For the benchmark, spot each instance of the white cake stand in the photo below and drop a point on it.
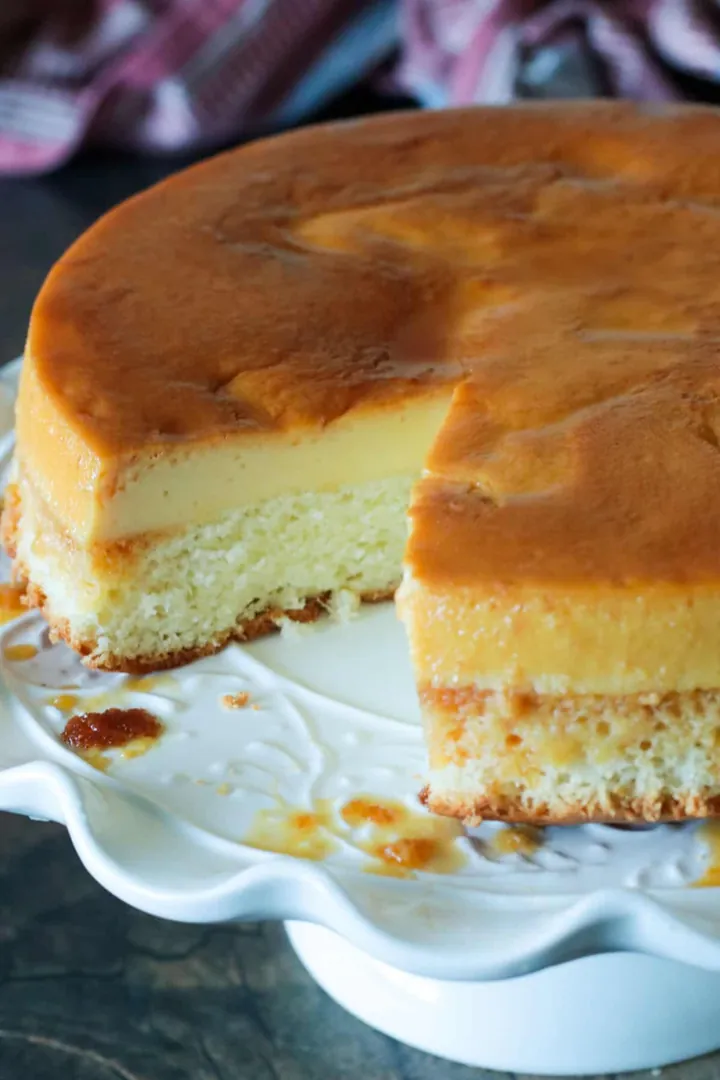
(591, 956)
(605, 1013)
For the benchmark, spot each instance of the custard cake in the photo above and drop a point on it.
(233, 381)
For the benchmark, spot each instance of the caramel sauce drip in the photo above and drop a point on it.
(398, 840)
(97, 759)
(359, 812)
(11, 604)
(306, 834)
(409, 853)
(20, 652)
(516, 839)
(709, 834)
(110, 729)
(401, 841)
(63, 702)
(147, 684)
(116, 698)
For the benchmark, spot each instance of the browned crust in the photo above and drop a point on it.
(472, 810)
(265, 622)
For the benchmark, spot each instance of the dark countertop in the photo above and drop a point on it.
(91, 989)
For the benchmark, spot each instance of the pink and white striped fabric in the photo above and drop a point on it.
(169, 75)
(461, 51)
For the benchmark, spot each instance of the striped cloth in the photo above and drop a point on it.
(169, 75)
(461, 51)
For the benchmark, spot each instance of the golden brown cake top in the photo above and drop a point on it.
(536, 479)
(563, 259)
(584, 445)
(290, 281)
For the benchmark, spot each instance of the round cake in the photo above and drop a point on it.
(502, 321)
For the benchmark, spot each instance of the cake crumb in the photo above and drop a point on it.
(344, 604)
(223, 789)
(236, 701)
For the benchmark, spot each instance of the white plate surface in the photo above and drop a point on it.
(331, 715)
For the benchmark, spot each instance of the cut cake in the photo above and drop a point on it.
(233, 381)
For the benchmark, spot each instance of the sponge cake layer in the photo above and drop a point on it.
(233, 379)
(164, 599)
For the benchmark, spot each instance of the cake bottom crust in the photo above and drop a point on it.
(473, 810)
(265, 622)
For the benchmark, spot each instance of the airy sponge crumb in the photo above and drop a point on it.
(640, 757)
(201, 584)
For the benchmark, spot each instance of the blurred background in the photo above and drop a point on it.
(100, 98)
(159, 77)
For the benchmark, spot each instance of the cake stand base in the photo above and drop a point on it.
(600, 1014)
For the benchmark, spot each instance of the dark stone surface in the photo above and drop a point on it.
(89, 988)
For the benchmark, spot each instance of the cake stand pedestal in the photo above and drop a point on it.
(598, 1014)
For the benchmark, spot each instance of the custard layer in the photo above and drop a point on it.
(260, 324)
(98, 498)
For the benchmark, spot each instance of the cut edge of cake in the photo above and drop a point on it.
(163, 601)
